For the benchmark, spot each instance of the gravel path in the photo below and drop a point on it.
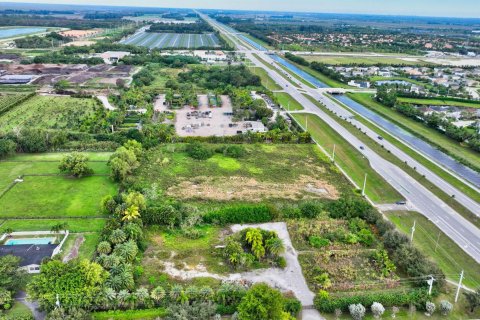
(288, 279)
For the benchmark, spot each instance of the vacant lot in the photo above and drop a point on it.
(44, 192)
(265, 172)
(366, 60)
(440, 102)
(49, 112)
(173, 40)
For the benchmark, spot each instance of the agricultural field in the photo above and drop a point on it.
(10, 100)
(173, 40)
(291, 172)
(50, 112)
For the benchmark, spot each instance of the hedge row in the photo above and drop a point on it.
(240, 214)
(325, 303)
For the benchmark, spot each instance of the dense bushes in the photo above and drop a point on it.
(326, 303)
(246, 213)
(198, 151)
(296, 59)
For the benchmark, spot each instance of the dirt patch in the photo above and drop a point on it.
(74, 250)
(242, 188)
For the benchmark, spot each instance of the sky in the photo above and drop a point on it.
(443, 8)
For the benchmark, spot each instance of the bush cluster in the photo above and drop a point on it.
(244, 213)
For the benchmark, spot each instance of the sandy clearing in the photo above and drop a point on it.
(106, 103)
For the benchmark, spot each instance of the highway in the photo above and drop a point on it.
(464, 233)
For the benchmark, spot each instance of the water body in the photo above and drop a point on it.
(253, 43)
(14, 32)
(424, 147)
(448, 162)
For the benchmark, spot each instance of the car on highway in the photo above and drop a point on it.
(362, 148)
(380, 138)
(401, 202)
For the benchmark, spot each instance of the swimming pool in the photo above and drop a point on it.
(13, 242)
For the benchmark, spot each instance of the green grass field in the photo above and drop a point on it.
(74, 225)
(440, 102)
(345, 60)
(287, 101)
(47, 193)
(271, 67)
(49, 113)
(267, 81)
(349, 159)
(428, 134)
(448, 255)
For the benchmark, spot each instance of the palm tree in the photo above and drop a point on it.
(191, 292)
(142, 296)
(206, 293)
(131, 213)
(122, 298)
(175, 292)
(127, 251)
(110, 297)
(275, 246)
(158, 294)
(117, 236)
(104, 247)
(133, 231)
(110, 261)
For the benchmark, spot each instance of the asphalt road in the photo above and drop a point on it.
(464, 233)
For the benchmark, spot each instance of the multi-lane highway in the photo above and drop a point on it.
(464, 233)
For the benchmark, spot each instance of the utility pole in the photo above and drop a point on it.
(459, 286)
(333, 154)
(364, 185)
(413, 230)
(430, 283)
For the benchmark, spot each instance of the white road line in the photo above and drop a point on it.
(159, 41)
(189, 39)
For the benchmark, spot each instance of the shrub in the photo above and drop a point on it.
(233, 151)
(292, 306)
(377, 310)
(445, 307)
(281, 262)
(311, 209)
(357, 311)
(318, 242)
(240, 214)
(430, 308)
(198, 151)
(326, 303)
(365, 237)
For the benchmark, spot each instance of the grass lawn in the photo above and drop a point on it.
(274, 171)
(267, 81)
(50, 194)
(74, 225)
(18, 311)
(287, 101)
(440, 102)
(50, 112)
(349, 159)
(271, 67)
(374, 144)
(87, 248)
(422, 131)
(147, 314)
(449, 257)
(54, 196)
(345, 60)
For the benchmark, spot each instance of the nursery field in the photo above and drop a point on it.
(50, 112)
(274, 171)
(173, 40)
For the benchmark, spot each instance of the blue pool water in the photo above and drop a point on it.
(13, 242)
(13, 32)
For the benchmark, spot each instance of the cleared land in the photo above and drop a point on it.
(349, 159)
(435, 244)
(292, 172)
(173, 40)
(419, 129)
(49, 112)
(366, 60)
(45, 193)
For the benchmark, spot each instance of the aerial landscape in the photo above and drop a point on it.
(254, 160)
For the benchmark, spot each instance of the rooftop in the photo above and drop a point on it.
(29, 253)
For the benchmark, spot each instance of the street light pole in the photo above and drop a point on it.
(364, 185)
(333, 154)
